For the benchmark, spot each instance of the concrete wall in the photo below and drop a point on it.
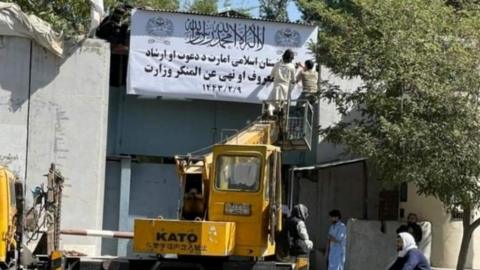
(328, 116)
(154, 192)
(446, 232)
(14, 92)
(55, 110)
(368, 247)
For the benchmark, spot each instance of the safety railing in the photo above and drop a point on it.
(296, 120)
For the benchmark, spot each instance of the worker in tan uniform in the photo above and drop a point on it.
(283, 74)
(309, 78)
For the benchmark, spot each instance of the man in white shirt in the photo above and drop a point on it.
(283, 74)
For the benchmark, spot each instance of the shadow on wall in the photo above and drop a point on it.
(29, 68)
(26, 67)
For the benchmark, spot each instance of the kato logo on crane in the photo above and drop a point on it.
(177, 237)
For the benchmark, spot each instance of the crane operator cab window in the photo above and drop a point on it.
(238, 173)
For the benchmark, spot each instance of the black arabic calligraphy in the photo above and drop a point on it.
(224, 34)
(185, 71)
(217, 60)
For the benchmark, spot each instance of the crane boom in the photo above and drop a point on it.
(259, 132)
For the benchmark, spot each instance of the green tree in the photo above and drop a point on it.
(242, 7)
(464, 4)
(416, 115)
(307, 13)
(203, 6)
(311, 15)
(274, 10)
(72, 17)
(68, 17)
(156, 4)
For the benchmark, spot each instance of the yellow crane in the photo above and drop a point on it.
(8, 218)
(232, 200)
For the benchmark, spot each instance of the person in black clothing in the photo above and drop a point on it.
(300, 243)
(409, 257)
(412, 227)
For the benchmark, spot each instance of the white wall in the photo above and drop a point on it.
(14, 89)
(64, 121)
(328, 116)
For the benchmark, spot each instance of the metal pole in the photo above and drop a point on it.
(291, 173)
(98, 233)
(124, 202)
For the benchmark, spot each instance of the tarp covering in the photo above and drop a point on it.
(14, 22)
(96, 13)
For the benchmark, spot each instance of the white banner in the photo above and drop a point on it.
(208, 57)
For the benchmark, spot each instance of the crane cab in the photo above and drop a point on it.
(245, 189)
(243, 207)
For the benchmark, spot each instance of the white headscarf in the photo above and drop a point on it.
(408, 243)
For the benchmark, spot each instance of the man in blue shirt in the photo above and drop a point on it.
(337, 238)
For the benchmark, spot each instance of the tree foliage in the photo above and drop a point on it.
(464, 4)
(203, 6)
(274, 10)
(72, 17)
(156, 4)
(416, 115)
(242, 8)
(246, 7)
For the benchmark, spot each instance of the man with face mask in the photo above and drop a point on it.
(409, 257)
(337, 238)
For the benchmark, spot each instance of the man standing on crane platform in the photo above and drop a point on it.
(283, 74)
(308, 76)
